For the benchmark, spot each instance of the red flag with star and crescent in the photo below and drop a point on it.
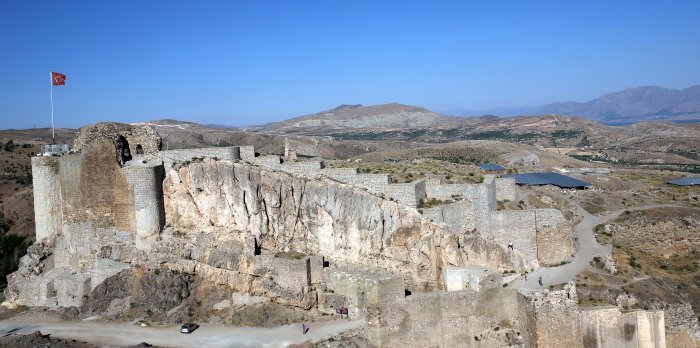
(58, 79)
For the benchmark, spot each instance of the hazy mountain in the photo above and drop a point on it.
(630, 105)
(359, 116)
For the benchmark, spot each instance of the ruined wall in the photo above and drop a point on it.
(145, 136)
(539, 234)
(47, 196)
(287, 272)
(464, 318)
(557, 322)
(554, 242)
(609, 327)
(231, 153)
(471, 277)
(365, 292)
(409, 194)
(459, 215)
(247, 152)
(447, 192)
(517, 227)
(506, 189)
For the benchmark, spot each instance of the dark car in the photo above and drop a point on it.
(188, 328)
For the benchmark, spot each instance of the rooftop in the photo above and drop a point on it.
(685, 181)
(547, 178)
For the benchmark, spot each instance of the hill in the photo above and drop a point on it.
(357, 116)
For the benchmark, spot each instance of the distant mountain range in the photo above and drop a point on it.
(627, 106)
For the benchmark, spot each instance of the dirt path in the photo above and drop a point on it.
(110, 334)
(586, 249)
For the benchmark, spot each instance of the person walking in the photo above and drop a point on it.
(304, 328)
(510, 246)
(540, 281)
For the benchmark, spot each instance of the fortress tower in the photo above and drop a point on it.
(47, 196)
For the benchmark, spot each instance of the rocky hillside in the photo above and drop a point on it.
(358, 116)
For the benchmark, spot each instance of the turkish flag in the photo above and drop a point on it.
(58, 79)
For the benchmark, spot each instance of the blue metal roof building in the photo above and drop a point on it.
(685, 181)
(491, 166)
(548, 178)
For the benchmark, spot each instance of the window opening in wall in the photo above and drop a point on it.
(139, 149)
(123, 150)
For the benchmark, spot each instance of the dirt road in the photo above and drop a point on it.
(110, 334)
(586, 249)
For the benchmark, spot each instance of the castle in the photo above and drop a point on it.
(428, 277)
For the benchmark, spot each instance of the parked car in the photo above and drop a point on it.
(188, 328)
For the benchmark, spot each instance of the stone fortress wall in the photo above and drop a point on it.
(76, 216)
(539, 236)
(128, 209)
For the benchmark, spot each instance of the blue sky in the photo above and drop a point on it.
(251, 62)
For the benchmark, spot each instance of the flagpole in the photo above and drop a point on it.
(53, 130)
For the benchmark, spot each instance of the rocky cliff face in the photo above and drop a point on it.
(277, 212)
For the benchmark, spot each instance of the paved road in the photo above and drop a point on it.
(110, 334)
(586, 249)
